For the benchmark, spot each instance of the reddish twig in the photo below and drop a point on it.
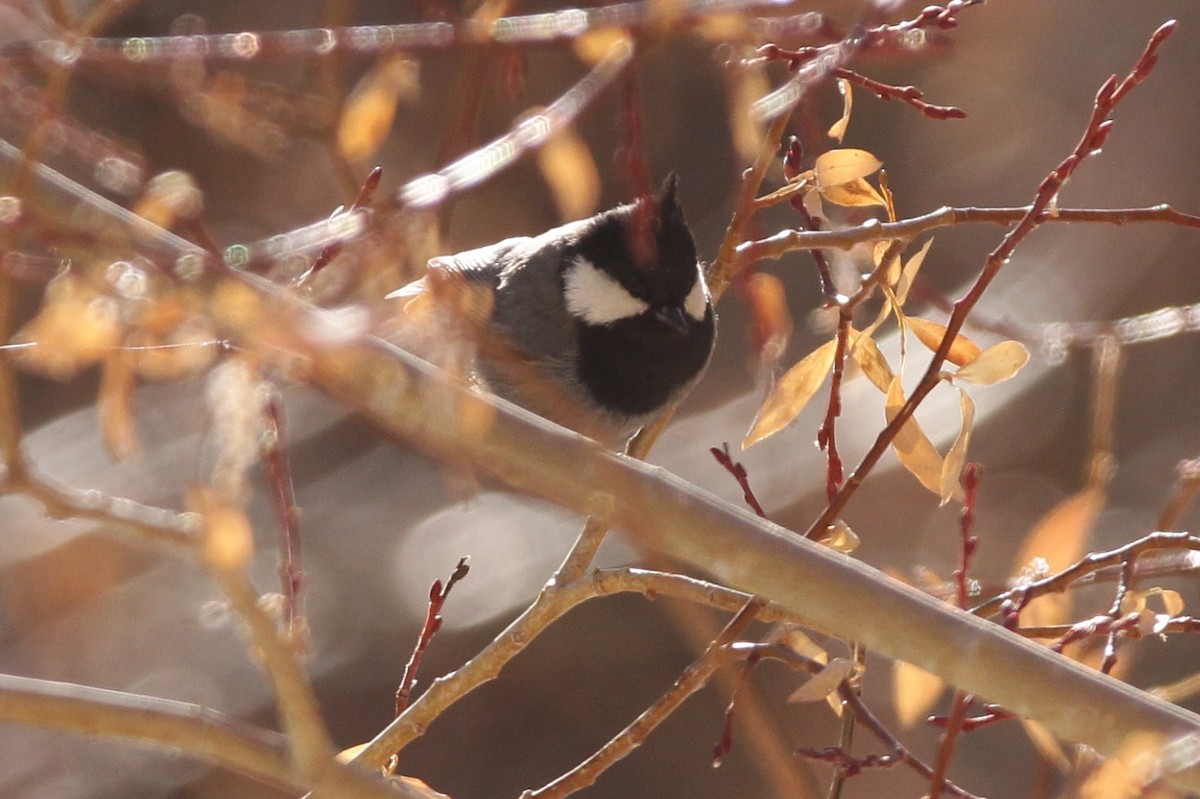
(1095, 132)
(739, 473)
(827, 434)
(1110, 641)
(910, 95)
(970, 484)
(1094, 562)
(433, 622)
(725, 743)
(287, 513)
(333, 248)
(954, 725)
(791, 168)
(991, 715)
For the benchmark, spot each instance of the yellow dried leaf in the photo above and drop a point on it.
(824, 682)
(838, 129)
(912, 446)
(723, 28)
(75, 328)
(570, 171)
(115, 401)
(370, 109)
(771, 321)
(1134, 601)
(792, 393)
(962, 351)
(914, 692)
(837, 167)
(592, 47)
(840, 538)
(909, 274)
(892, 274)
(745, 86)
(870, 359)
(799, 642)
(996, 364)
(1058, 540)
(1137, 763)
(856, 192)
(956, 458)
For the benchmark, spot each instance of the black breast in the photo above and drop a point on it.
(634, 366)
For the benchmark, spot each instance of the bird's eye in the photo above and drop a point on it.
(597, 298)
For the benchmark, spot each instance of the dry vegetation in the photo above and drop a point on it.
(225, 500)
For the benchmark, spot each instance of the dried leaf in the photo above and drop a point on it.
(962, 351)
(745, 86)
(1135, 601)
(570, 172)
(857, 192)
(771, 321)
(825, 682)
(838, 129)
(914, 692)
(1137, 763)
(370, 109)
(1058, 540)
(840, 538)
(870, 359)
(956, 458)
(115, 401)
(909, 274)
(912, 446)
(799, 642)
(594, 46)
(792, 393)
(75, 328)
(892, 274)
(841, 166)
(996, 364)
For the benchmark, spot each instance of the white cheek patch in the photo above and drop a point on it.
(695, 304)
(596, 298)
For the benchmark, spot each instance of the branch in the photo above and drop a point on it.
(691, 680)
(1094, 135)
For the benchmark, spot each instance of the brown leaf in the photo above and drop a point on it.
(570, 172)
(909, 274)
(771, 321)
(1137, 764)
(870, 359)
(824, 682)
(956, 458)
(75, 328)
(840, 538)
(914, 692)
(837, 167)
(370, 109)
(857, 192)
(1058, 540)
(799, 642)
(594, 46)
(115, 401)
(838, 129)
(792, 393)
(962, 351)
(996, 364)
(912, 446)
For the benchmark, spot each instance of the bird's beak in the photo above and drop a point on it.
(674, 318)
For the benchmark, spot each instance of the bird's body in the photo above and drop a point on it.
(577, 328)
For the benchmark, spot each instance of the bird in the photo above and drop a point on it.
(597, 325)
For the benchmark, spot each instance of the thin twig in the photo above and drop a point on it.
(287, 513)
(691, 680)
(1091, 564)
(722, 456)
(1095, 132)
(433, 623)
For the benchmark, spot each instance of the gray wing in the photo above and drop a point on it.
(482, 264)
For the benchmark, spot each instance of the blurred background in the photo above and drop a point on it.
(381, 523)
